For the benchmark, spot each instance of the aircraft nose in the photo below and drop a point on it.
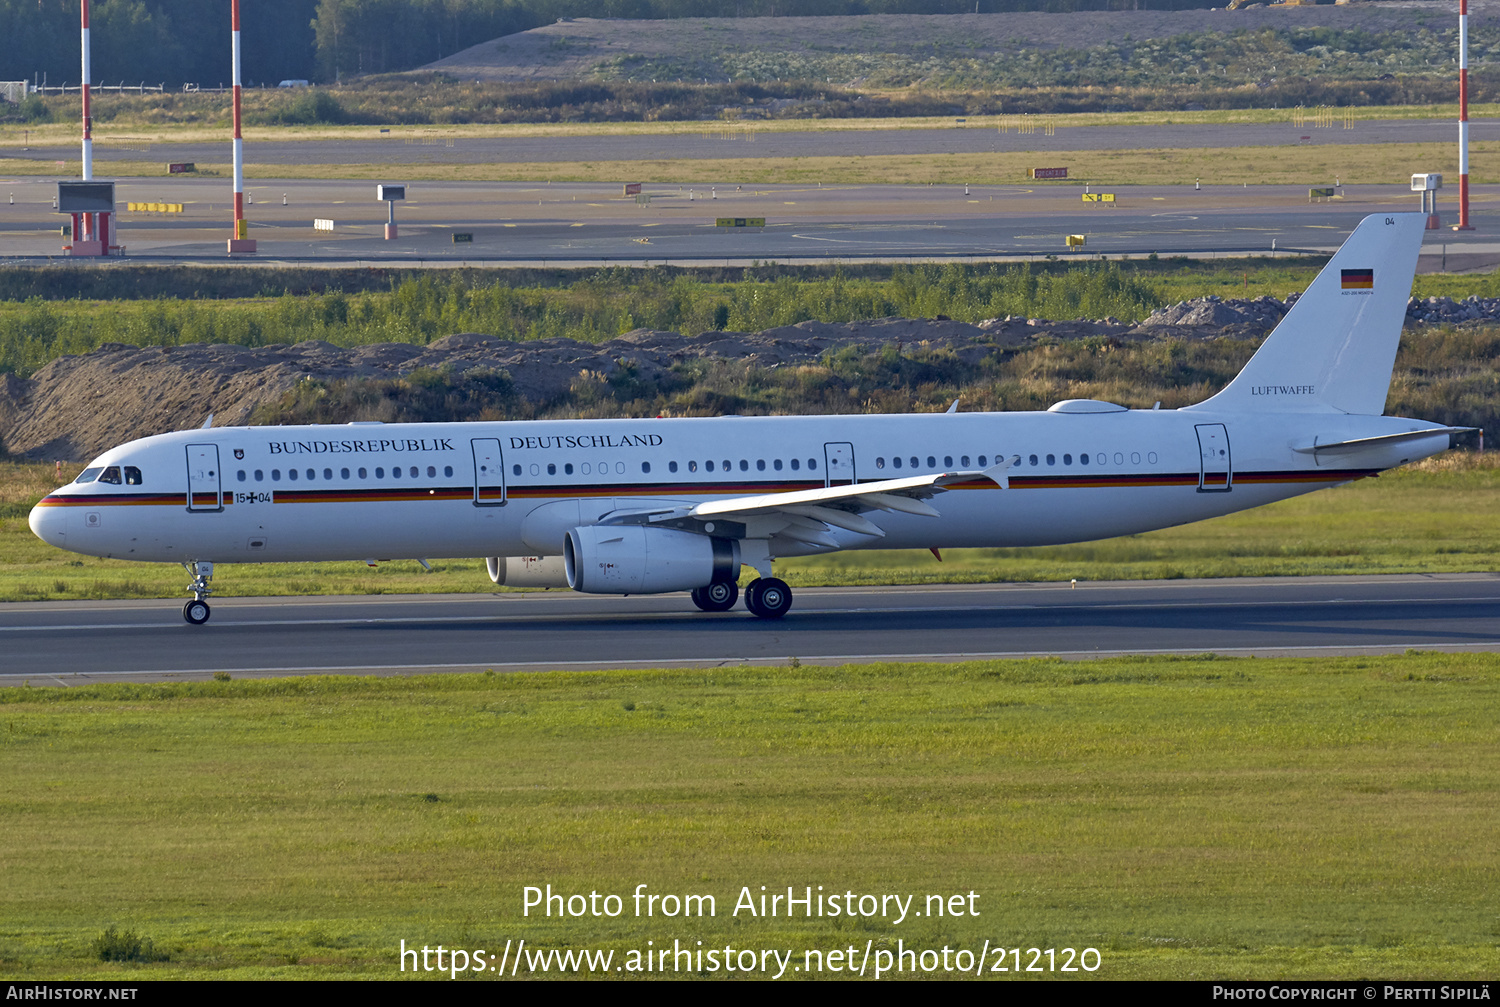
(49, 524)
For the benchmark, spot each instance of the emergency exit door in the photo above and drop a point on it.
(204, 492)
(489, 472)
(1215, 474)
(838, 464)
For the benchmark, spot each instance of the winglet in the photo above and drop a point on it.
(999, 473)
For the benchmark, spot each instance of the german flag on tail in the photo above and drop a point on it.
(1357, 279)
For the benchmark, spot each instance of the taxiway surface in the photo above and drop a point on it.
(590, 224)
(71, 643)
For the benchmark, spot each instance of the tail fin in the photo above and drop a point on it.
(1335, 348)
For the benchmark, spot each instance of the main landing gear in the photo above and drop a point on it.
(197, 610)
(719, 596)
(766, 597)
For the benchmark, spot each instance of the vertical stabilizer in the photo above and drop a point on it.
(1335, 348)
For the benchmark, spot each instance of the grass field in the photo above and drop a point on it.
(65, 131)
(1192, 818)
(1288, 165)
(1442, 516)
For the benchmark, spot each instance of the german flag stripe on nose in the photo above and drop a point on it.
(1357, 279)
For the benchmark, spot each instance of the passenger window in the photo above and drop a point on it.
(312, 474)
(796, 464)
(276, 475)
(414, 472)
(514, 470)
(964, 461)
(982, 461)
(240, 475)
(776, 465)
(914, 461)
(133, 476)
(1067, 459)
(291, 474)
(896, 463)
(709, 465)
(812, 463)
(744, 465)
(1083, 459)
(380, 471)
(728, 467)
(1033, 459)
(111, 475)
(671, 466)
(328, 474)
(343, 473)
(567, 469)
(552, 468)
(880, 463)
(646, 467)
(364, 473)
(760, 463)
(1052, 459)
(947, 461)
(931, 462)
(431, 472)
(260, 476)
(692, 466)
(448, 471)
(88, 475)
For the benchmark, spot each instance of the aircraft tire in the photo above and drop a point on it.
(196, 612)
(719, 596)
(768, 597)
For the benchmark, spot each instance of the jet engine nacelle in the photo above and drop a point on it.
(527, 571)
(634, 559)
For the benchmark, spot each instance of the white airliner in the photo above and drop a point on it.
(654, 505)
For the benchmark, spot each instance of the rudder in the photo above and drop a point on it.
(1334, 350)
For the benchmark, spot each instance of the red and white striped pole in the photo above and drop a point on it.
(238, 243)
(88, 122)
(1463, 117)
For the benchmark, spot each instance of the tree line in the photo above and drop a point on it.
(173, 42)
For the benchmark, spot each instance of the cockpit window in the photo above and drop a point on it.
(89, 475)
(110, 475)
(132, 476)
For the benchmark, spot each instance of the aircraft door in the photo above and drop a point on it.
(1215, 474)
(204, 493)
(489, 472)
(838, 464)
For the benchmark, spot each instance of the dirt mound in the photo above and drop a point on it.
(577, 47)
(78, 406)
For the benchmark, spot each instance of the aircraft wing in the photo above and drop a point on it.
(810, 515)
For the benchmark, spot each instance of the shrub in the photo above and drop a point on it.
(114, 946)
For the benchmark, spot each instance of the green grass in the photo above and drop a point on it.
(1191, 818)
(1441, 517)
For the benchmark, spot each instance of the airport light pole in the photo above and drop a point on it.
(1463, 117)
(240, 242)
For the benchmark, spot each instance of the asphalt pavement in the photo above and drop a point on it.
(70, 643)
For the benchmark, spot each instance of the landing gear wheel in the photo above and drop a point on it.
(196, 612)
(719, 596)
(768, 597)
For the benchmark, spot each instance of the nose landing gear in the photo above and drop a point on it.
(197, 610)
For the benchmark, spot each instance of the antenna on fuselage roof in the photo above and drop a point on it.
(208, 422)
(953, 408)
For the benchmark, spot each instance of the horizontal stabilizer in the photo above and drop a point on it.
(1360, 443)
